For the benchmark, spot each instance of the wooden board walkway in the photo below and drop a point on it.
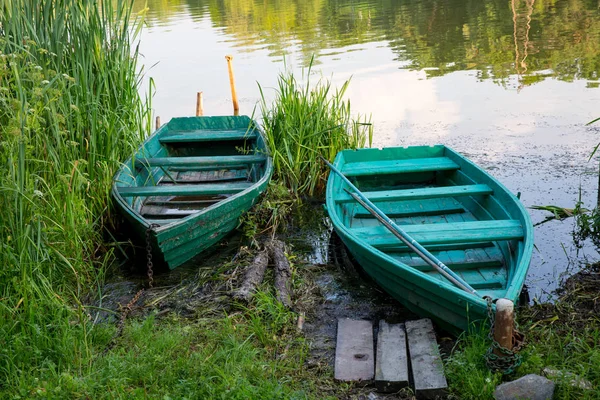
(406, 354)
(354, 357)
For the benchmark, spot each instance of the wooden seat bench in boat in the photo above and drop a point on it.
(456, 232)
(412, 208)
(456, 259)
(207, 136)
(183, 190)
(214, 162)
(421, 193)
(400, 166)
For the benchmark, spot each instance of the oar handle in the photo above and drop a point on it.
(403, 236)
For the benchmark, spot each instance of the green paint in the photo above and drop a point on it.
(209, 197)
(479, 227)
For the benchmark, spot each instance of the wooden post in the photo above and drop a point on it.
(300, 323)
(199, 105)
(236, 107)
(157, 122)
(503, 325)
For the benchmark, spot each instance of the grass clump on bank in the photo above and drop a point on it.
(306, 122)
(69, 111)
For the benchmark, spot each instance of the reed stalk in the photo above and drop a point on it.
(306, 122)
(70, 110)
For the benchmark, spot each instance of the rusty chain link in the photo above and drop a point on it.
(150, 265)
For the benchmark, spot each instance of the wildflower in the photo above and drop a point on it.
(45, 82)
(37, 193)
(38, 67)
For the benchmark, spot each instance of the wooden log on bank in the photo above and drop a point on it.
(254, 276)
(282, 272)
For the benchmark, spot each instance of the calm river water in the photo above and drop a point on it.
(509, 83)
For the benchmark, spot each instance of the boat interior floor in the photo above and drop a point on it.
(450, 224)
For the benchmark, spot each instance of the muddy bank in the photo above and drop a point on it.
(328, 286)
(577, 306)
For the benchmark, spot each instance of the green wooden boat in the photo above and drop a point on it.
(458, 212)
(190, 182)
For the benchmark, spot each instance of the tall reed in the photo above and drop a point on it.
(305, 122)
(69, 111)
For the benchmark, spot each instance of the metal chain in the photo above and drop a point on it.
(124, 313)
(127, 309)
(149, 264)
(509, 360)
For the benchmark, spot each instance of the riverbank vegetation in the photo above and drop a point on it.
(70, 109)
(306, 122)
(70, 112)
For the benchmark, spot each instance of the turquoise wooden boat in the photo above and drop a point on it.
(458, 212)
(190, 182)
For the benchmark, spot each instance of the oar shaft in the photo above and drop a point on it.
(398, 232)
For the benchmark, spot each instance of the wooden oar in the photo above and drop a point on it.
(403, 236)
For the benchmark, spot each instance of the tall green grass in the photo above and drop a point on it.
(69, 111)
(305, 122)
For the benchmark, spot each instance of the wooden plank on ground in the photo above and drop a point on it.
(391, 366)
(425, 359)
(354, 356)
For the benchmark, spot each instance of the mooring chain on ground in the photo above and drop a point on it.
(121, 325)
(509, 359)
(149, 264)
(127, 309)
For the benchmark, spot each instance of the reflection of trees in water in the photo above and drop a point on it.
(496, 38)
(522, 26)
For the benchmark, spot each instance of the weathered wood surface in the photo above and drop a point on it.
(254, 276)
(282, 272)
(208, 136)
(452, 232)
(183, 190)
(213, 162)
(206, 173)
(391, 366)
(354, 358)
(400, 166)
(426, 362)
(418, 194)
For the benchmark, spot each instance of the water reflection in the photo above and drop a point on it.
(532, 39)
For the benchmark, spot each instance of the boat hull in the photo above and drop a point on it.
(459, 212)
(222, 171)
